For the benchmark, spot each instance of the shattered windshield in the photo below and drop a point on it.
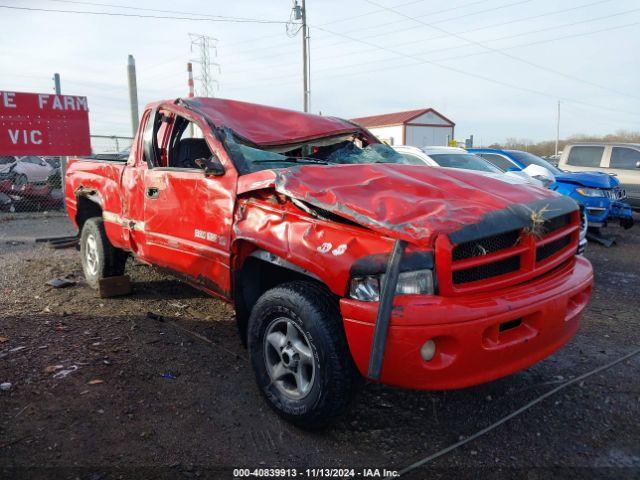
(341, 150)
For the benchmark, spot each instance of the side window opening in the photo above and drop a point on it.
(624, 158)
(186, 145)
(150, 140)
(585, 156)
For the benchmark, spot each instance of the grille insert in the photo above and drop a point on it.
(551, 248)
(557, 223)
(483, 246)
(488, 270)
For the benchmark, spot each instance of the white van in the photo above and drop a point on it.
(621, 159)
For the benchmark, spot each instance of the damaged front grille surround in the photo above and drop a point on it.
(509, 256)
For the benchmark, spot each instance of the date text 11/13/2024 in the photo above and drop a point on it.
(314, 473)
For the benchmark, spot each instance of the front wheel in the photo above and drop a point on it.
(300, 355)
(100, 259)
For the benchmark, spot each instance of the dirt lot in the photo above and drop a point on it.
(142, 390)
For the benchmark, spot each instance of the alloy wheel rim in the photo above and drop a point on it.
(289, 358)
(91, 255)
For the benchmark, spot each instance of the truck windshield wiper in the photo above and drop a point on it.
(293, 160)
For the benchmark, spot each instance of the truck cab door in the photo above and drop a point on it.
(188, 215)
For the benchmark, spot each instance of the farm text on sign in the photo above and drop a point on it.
(43, 124)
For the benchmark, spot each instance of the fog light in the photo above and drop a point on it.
(428, 350)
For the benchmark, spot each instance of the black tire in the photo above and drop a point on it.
(316, 314)
(109, 260)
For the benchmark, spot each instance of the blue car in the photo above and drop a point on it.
(599, 192)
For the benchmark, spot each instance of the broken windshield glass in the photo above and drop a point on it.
(332, 150)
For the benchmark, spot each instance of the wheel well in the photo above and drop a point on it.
(87, 208)
(256, 276)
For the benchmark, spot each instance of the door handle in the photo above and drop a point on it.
(152, 192)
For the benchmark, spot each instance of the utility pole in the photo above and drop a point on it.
(205, 45)
(305, 58)
(63, 160)
(299, 13)
(558, 129)
(133, 93)
(56, 84)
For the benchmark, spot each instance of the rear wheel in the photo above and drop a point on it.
(300, 355)
(100, 259)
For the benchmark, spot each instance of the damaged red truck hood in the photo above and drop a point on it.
(413, 203)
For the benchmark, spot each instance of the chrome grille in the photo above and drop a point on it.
(616, 193)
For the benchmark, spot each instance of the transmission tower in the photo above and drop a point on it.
(206, 48)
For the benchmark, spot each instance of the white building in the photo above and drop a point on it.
(417, 128)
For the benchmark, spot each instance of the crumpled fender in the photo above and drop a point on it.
(327, 250)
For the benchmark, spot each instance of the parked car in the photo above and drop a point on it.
(599, 192)
(340, 258)
(23, 170)
(619, 159)
(453, 157)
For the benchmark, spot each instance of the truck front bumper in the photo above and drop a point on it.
(477, 337)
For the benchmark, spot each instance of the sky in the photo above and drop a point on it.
(497, 68)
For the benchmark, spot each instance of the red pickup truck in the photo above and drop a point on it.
(341, 259)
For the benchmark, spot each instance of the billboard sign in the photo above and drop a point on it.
(43, 124)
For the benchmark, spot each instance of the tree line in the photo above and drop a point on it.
(547, 147)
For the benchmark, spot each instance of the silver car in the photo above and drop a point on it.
(23, 170)
(620, 159)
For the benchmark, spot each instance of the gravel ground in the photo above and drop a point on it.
(159, 378)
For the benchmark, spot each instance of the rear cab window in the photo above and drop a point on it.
(585, 156)
(624, 158)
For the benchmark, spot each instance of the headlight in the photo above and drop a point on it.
(367, 288)
(590, 192)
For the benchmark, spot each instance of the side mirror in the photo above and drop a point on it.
(637, 164)
(211, 166)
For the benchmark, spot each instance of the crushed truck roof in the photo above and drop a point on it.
(264, 125)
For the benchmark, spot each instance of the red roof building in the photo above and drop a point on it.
(418, 128)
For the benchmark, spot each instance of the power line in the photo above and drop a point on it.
(342, 19)
(332, 57)
(445, 20)
(377, 26)
(474, 75)
(499, 52)
(131, 15)
(386, 65)
(377, 34)
(501, 24)
(126, 7)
